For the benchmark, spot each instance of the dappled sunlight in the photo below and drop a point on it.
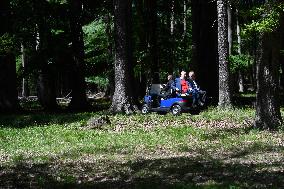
(189, 151)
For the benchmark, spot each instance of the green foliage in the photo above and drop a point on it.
(240, 62)
(19, 65)
(96, 42)
(101, 82)
(57, 31)
(8, 44)
(58, 1)
(265, 18)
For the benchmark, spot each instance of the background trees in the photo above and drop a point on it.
(8, 92)
(72, 48)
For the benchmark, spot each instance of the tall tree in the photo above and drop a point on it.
(267, 96)
(204, 44)
(240, 75)
(266, 32)
(230, 27)
(184, 17)
(46, 84)
(151, 33)
(8, 92)
(78, 84)
(224, 86)
(25, 85)
(122, 101)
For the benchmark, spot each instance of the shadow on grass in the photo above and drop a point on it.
(32, 114)
(41, 118)
(244, 101)
(249, 99)
(177, 172)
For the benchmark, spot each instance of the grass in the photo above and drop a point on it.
(215, 149)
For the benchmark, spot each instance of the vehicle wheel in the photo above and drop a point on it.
(145, 109)
(176, 110)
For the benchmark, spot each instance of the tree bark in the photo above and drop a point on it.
(78, 85)
(46, 85)
(172, 36)
(151, 33)
(204, 45)
(240, 75)
(122, 101)
(8, 86)
(25, 85)
(184, 17)
(281, 84)
(46, 91)
(230, 33)
(172, 8)
(224, 80)
(267, 97)
(8, 92)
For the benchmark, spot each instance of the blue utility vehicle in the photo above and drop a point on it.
(156, 101)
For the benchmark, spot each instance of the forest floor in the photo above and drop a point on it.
(214, 149)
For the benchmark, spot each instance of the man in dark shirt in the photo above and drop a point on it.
(200, 94)
(167, 89)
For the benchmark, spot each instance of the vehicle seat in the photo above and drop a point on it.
(155, 89)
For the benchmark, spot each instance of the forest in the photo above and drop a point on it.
(76, 108)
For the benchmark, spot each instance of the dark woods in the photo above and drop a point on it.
(76, 49)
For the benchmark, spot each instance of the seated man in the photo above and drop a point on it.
(166, 90)
(158, 91)
(182, 86)
(200, 94)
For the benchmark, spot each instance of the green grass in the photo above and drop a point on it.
(215, 149)
(248, 94)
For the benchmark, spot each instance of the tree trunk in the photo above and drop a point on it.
(230, 33)
(204, 45)
(46, 85)
(122, 101)
(253, 67)
(8, 92)
(267, 98)
(240, 74)
(8, 86)
(184, 17)
(234, 76)
(281, 84)
(151, 28)
(172, 35)
(46, 91)
(172, 8)
(25, 85)
(224, 89)
(78, 85)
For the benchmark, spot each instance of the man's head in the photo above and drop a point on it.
(191, 75)
(182, 74)
(170, 77)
